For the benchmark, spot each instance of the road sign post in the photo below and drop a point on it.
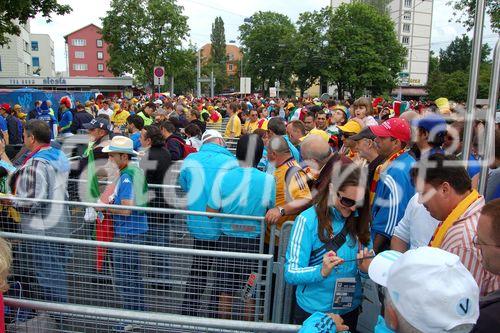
(159, 76)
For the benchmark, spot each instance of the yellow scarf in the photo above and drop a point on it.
(455, 214)
(378, 171)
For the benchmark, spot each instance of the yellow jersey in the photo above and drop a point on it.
(233, 127)
(120, 118)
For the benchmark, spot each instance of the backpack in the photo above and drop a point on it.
(186, 149)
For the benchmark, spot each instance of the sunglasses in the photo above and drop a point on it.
(347, 202)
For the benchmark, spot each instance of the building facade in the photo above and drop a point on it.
(86, 53)
(42, 55)
(15, 57)
(413, 24)
(233, 57)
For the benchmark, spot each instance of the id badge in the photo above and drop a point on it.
(343, 296)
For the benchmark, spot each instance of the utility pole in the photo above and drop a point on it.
(172, 86)
(212, 84)
(198, 75)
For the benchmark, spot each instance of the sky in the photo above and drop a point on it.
(202, 13)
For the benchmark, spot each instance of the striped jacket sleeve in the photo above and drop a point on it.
(297, 269)
(389, 207)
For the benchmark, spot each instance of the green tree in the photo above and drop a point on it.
(454, 85)
(218, 54)
(363, 50)
(381, 5)
(268, 41)
(185, 76)
(433, 62)
(457, 55)
(20, 11)
(309, 60)
(143, 34)
(465, 10)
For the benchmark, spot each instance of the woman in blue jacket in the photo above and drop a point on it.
(329, 281)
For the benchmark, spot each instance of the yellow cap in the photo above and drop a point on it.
(443, 104)
(319, 132)
(352, 126)
(289, 106)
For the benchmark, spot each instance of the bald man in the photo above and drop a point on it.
(318, 156)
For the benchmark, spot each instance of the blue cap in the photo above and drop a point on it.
(44, 107)
(431, 123)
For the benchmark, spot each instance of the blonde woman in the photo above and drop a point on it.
(5, 263)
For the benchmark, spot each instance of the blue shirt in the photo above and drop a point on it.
(3, 124)
(394, 191)
(236, 194)
(66, 121)
(302, 268)
(134, 224)
(473, 166)
(197, 175)
(293, 150)
(136, 139)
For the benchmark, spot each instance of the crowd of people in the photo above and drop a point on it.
(376, 190)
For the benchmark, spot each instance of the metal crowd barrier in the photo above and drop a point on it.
(154, 273)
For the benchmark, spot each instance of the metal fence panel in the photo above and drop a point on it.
(283, 297)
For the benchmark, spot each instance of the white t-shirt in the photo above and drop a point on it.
(195, 142)
(107, 112)
(417, 225)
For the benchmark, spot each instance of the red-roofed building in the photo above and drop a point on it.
(86, 52)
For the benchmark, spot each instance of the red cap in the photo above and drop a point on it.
(66, 101)
(5, 106)
(395, 128)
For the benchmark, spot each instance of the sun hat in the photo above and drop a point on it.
(120, 144)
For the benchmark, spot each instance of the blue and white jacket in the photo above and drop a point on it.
(314, 292)
(394, 191)
(197, 175)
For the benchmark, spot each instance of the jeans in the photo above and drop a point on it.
(127, 273)
(49, 260)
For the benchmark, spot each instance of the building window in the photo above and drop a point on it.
(406, 40)
(407, 16)
(79, 54)
(230, 56)
(230, 67)
(408, 3)
(100, 55)
(406, 27)
(34, 45)
(99, 43)
(26, 46)
(28, 69)
(79, 42)
(35, 61)
(0, 64)
(405, 65)
(100, 67)
(80, 67)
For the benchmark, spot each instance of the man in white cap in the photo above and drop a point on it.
(196, 178)
(427, 290)
(130, 226)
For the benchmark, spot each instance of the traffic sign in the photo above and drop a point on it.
(159, 75)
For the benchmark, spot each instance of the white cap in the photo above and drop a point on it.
(210, 134)
(429, 287)
(158, 102)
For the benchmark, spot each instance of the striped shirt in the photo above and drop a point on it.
(459, 240)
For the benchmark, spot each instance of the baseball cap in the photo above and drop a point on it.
(325, 136)
(5, 106)
(429, 287)
(366, 133)
(98, 123)
(431, 123)
(351, 126)
(210, 134)
(394, 127)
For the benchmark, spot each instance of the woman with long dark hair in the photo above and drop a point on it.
(326, 244)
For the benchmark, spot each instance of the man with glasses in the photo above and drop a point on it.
(391, 188)
(253, 123)
(487, 239)
(445, 189)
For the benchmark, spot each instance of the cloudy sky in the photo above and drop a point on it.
(202, 13)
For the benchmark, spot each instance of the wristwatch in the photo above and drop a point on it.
(282, 210)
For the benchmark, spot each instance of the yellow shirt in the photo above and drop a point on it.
(233, 127)
(120, 118)
(297, 189)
